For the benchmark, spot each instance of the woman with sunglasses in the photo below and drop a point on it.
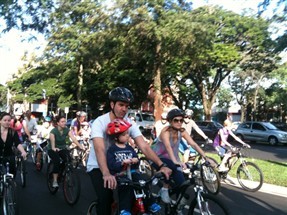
(167, 145)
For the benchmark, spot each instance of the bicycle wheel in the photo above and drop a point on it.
(71, 187)
(249, 176)
(92, 210)
(33, 153)
(22, 169)
(74, 158)
(210, 179)
(10, 199)
(208, 204)
(145, 167)
(52, 189)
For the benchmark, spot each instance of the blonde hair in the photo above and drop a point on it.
(227, 122)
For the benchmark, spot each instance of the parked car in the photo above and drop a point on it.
(261, 132)
(144, 120)
(210, 128)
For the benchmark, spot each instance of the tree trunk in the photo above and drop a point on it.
(80, 86)
(157, 86)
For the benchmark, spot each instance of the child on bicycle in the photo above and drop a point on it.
(220, 144)
(119, 156)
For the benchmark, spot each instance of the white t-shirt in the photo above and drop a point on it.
(99, 127)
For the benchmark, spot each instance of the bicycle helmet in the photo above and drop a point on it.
(18, 112)
(118, 126)
(121, 94)
(188, 112)
(47, 119)
(174, 113)
(83, 113)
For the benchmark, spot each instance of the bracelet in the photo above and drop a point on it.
(163, 165)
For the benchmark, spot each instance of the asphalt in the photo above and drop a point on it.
(266, 188)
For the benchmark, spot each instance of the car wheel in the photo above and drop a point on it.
(273, 141)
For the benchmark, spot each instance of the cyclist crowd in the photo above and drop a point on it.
(110, 153)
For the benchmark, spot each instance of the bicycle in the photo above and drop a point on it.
(80, 156)
(8, 192)
(21, 167)
(249, 175)
(139, 187)
(205, 173)
(202, 203)
(69, 179)
(41, 152)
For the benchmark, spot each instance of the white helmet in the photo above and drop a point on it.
(188, 112)
(163, 115)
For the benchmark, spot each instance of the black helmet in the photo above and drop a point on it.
(174, 113)
(121, 94)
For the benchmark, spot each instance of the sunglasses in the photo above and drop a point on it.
(177, 120)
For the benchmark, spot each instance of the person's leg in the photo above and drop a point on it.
(104, 196)
(225, 156)
(56, 163)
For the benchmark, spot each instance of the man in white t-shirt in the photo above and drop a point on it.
(103, 181)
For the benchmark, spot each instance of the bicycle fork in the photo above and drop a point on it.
(202, 204)
(138, 206)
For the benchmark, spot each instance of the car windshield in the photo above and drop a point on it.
(270, 126)
(148, 117)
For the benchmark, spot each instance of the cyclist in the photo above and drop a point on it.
(103, 181)
(9, 139)
(189, 124)
(18, 124)
(31, 122)
(57, 146)
(167, 148)
(220, 144)
(119, 156)
(44, 135)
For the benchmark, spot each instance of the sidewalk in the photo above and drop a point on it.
(266, 188)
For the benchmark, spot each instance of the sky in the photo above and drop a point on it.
(13, 44)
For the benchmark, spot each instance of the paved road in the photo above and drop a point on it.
(35, 199)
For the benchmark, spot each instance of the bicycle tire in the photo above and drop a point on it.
(10, 199)
(52, 189)
(210, 179)
(92, 209)
(22, 169)
(145, 167)
(249, 176)
(74, 159)
(71, 186)
(210, 205)
(33, 153)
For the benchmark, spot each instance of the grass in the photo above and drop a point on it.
(273, 172)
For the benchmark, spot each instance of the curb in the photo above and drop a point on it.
(266, 188)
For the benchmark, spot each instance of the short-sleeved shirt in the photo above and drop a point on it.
(160, 149)
(60, 139)
(99, 127)
(217, 140)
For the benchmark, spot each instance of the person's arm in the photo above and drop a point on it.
(193, 144)
(53, 142)
(99, 147)
(198, 130)
(17, 142)
(237, 138)
(74, 139)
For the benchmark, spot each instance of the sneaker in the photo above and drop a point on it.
(154, 208)
(164, 195)
(222, 169)
(124, 212)
(55, 184)
(38, 166)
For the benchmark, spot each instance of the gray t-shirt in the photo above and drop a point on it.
(99, 127)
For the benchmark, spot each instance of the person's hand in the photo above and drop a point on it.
(211, 162)
(166, 171)
(81, 147)
(183, 165)
(208, 141)
(127, 161)
(55, 149)
(24, 155)
(135, 160)
(110, 181)
(246, 145)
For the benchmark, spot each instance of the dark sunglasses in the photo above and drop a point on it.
(177, 120)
